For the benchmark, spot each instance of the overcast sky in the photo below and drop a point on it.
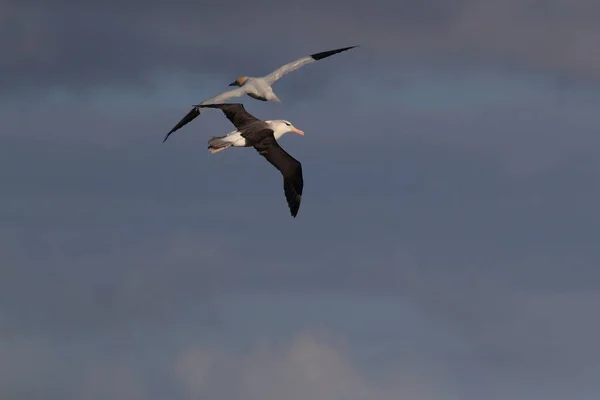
(447, 243)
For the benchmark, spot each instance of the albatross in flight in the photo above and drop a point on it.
(257, 88)
(262, 135)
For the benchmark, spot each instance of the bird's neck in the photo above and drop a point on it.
(277, 134)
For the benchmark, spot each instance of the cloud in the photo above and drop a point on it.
(462, 199)
(71, 46)
(20, 359)
(126, 234)
(86, 285)
(308, 367)
(113, 381)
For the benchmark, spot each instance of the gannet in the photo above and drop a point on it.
(257, 88)
(262, 135)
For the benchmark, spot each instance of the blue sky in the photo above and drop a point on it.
(446, 243)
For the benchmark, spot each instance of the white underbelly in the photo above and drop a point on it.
(236, 139)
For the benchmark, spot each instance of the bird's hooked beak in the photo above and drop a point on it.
(298, 131)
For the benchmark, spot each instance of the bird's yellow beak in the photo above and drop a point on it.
(298, 131)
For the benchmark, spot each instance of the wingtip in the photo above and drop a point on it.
(325, 54)
(294, 209)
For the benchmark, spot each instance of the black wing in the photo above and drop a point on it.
(235, 112)
(325, 54)
(194, 112)
(290, 168)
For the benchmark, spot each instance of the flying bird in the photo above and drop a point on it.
(257, 88)
(262, 135)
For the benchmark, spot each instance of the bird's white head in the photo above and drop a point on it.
(281, 126)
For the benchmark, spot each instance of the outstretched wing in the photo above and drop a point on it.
(294, 65)
(235, 112)
(226, 96)
(194, 112)
(290, 168)
(190, 116)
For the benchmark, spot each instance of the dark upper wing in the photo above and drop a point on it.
(188, 118)
(235, 112)
(290, 168)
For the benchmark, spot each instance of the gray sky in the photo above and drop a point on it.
(446, 246)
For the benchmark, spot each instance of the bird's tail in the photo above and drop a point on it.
(218, 143)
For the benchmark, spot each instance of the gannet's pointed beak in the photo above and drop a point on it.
(234, 83)
(298, 131)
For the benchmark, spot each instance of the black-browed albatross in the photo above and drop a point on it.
(262, 135)
(258, 88)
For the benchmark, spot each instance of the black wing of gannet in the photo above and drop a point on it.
(190, 116)
(235, 112)
(294, 65)
(194, 112)
(290, 168)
